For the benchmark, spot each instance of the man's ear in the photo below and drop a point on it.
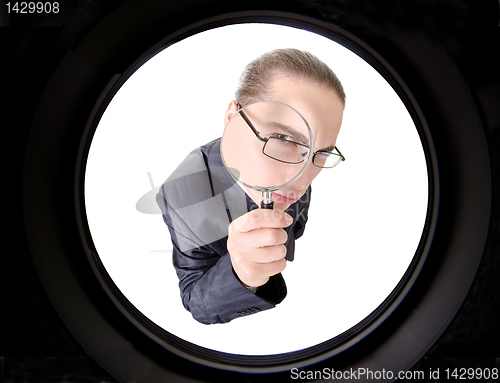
(232, 108)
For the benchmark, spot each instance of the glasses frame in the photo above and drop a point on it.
(266, 140)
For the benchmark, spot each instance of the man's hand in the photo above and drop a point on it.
(256, 245)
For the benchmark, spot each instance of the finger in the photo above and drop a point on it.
(247, 242)
(264, 237)
(261, 218)
(270, 269)
(255, 274)
(269, 254)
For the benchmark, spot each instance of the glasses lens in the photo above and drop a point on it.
(285, 150)
(326, 160)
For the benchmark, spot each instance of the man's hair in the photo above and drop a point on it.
(302, 65)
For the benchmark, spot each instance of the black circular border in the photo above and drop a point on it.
(280, 362)
(54, 241)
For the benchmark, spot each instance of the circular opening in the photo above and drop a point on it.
(366, 219)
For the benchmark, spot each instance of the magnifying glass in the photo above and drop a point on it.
(266, 147)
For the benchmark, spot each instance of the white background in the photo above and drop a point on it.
(366, 215)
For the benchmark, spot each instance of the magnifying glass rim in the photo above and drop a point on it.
(306, 162)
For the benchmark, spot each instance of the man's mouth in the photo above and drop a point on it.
(291, 198)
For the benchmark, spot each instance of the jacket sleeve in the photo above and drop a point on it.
(208, 285)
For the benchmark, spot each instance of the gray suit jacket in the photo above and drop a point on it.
(198, 202)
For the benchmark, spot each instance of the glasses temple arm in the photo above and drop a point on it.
(341, 155)
(251, 126)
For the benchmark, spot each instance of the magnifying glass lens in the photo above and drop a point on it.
(266, 146)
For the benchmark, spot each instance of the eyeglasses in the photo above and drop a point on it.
(280, 148)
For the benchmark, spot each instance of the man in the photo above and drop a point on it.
(229, 254)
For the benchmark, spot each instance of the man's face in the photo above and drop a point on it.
(323, 111)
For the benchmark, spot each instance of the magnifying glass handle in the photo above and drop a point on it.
(267, 200)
